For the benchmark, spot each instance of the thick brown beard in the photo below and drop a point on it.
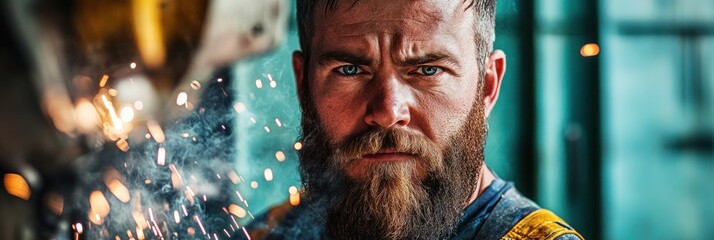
(393, 201)
(389, 194)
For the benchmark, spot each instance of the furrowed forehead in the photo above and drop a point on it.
(310, 10)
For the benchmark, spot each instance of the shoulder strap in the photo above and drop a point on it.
(540, 224)
(510, 208)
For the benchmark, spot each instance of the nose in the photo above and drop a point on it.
(389, 103)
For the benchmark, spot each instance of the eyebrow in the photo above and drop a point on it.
(359, 59)
(430, 58)
(340, 56)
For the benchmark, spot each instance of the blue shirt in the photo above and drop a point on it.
(474, 216)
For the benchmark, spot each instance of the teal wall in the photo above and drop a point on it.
(658, 119)
(257, 147)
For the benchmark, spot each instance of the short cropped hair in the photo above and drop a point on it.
(484, 24)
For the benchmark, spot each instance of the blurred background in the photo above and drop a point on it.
(606, 116)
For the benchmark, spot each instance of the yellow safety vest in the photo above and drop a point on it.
(540, 224)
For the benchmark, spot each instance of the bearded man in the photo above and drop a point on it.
(395, 97)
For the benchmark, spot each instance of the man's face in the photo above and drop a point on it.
(393, 121)
(393, 64)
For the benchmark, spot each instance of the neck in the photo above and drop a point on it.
(485, 178)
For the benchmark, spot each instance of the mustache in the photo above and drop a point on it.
(374, 140)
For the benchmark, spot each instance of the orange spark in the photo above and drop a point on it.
(237, 211)
(95, 218)
(17, 186)
(119, 190)
(182, 98)
(295, 199)
(55, 202)
(122, 145)
(137, 214)
(98, 204)
(239, 107)
(280, 155)
(195, 85)
(233, 176)
(176, 180)
(268, 173)
(161, 156)
(590, 50)
(156, 131)
(103, 82)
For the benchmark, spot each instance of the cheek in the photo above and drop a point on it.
(333, 113)
(338, 115)
(445, 122)
(445, 115)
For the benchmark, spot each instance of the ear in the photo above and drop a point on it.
(495, 69)
(299, 71)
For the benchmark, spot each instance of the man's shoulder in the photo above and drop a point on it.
(517, 217)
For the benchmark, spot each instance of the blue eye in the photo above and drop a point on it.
(428, 70)
(349, 70)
